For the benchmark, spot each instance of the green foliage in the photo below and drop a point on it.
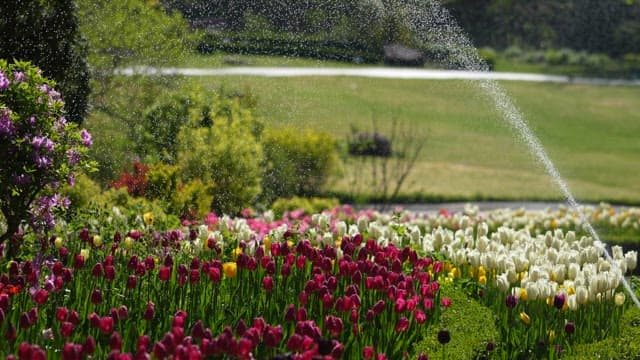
(46, 34)
(227, 155)
(624, 346)
(309, 205)
(82, 194)
(157, 140)
(162, 182)
(131, 32)
(489, 56)
(470, 324)
(192, 200)
(297, 162)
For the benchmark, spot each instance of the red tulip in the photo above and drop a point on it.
(267, 283)
(403, 324)
(66, 329)
(89, 345)
(150, 311)
(106, 324)
(368, 352)
(165, 273)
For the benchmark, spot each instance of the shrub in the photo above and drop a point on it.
(228, 157)
(513, 52)
(489, 56)
(369, 144)
(297, 162)
(82, 193)
(162, 182)
(192, 200)
(39, 148)
(308, 205)
(470, 325)
(624, 346)
(135, 181)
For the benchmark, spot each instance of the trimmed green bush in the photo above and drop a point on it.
(470, 324)
(192, 200)
(309, 205)
(228, 157)
(624, 346)
(296, 162)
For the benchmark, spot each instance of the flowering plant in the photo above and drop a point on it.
(39, 148)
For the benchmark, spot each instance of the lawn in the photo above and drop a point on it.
(470, 152)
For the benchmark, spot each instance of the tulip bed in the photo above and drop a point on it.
(340, 284)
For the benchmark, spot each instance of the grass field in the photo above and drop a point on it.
(590, 132)
(470, 152)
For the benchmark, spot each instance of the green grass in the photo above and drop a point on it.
(589, 131)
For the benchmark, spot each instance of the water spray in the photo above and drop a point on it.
(435, 24)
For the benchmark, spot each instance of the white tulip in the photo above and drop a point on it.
(341, 228)
(363, 223)
(503, 283)
(582, 295)
(632, 260)
(616, 252)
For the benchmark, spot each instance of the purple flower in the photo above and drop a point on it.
(558, 301)
(22, 179)
(86, 138)
(42, 142)
(6, 125)
(42, 162)
(19, 76)
(511, 301)
(4, 82)
(74, 157)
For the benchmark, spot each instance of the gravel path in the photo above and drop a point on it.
(374, 72)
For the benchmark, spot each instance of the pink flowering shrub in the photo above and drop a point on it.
(39, 150)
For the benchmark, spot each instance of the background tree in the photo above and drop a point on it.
(47, 34)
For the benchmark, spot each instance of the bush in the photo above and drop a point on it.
(471, 326)
(228, 157)
(135, 181)
(489, 56)
(369, 144)
(39, 149)
(513, 52)
(296, 162)
(624, 346)
(82, 193)
(162, 182)
(308, 205)
(192, 200)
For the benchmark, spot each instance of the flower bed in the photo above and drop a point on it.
(337, 284)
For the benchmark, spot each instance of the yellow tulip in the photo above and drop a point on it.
(85, 254)
(148, 218)
(481, 271)
(58, 242)
(230, 269)
(234, 254)
(552, 336)
(267, 243)
(482, 280)
(128, 242)
(525, 318)
(523, 294)
(97, 240)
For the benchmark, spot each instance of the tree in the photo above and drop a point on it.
(46, 33)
